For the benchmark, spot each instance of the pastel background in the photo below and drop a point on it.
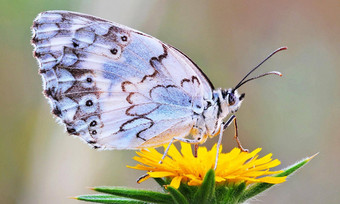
(293, 117)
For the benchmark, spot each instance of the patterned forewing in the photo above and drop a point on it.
(113, 86)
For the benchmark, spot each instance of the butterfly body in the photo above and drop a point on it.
(118, 88)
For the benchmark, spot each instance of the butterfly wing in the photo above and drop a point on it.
(115, 87)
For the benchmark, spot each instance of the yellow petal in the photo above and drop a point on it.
(186, 150)
(195, 182)
(273, 180)
(143, 178)
(160, 174)
(174, 153)
(140, 167)
(219, 179)
(176, 181)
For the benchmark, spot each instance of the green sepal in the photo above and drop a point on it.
(220, 193)
(161, 182)
(206, 192)
(143, 195)
(234, 193)
(188, 191)
(255, 189)
(177, 196)
(108, 199)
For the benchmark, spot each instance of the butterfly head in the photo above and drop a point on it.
(232, 99)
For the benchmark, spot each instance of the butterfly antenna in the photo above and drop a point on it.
(243, 81)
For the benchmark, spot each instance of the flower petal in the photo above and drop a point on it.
(233, 167)
(273, 180)
(176, 181)
(186, 150)
(160, 174)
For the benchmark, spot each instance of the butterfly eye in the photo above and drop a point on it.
(241, 97)
(231, 99)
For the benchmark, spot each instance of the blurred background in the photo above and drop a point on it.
(293, 117)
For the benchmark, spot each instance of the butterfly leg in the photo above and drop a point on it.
(223, 126)
(190, 141)
(195, 150)
(237, 139)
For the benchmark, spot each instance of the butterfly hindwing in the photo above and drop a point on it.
(113, 86)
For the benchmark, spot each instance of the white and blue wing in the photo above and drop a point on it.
(115, 87)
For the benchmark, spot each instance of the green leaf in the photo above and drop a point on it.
(143, 195)
(260, 187)
(177, 196)
(206, 192)
(107, 199)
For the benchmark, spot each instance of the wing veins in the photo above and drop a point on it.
(165, 68)
(148, 128)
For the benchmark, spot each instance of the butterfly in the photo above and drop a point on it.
(118, 88)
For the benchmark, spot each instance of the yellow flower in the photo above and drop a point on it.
(232, 167)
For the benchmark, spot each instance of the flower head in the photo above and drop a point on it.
(233, 167)
(193, 180)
